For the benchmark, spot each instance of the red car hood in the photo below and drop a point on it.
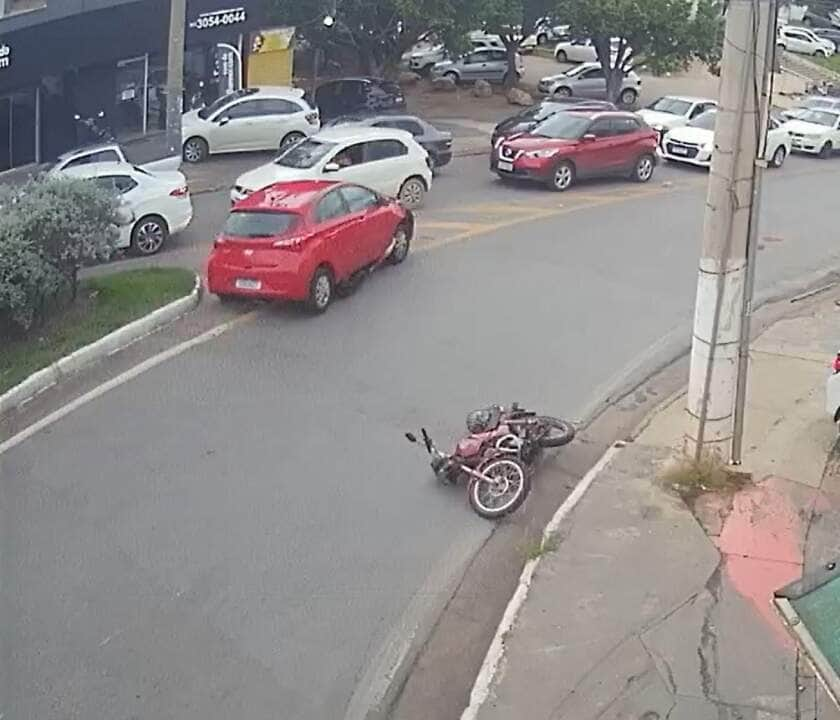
(531, 142)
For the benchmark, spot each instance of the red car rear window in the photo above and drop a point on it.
(258, 224)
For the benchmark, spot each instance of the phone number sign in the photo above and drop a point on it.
(219, 18)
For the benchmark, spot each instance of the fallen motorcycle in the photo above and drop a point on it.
(496, 457)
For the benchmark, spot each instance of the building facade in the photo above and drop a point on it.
(67, 66)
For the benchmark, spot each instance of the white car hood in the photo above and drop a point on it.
(654, 117)
(692, 135)
(806, 128)
(272, 173)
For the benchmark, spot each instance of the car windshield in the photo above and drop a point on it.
(705, 121)
(670, 105)
(256, 224)
(562, 126)
(819, 103)
(819, 117)
(206, 112)
(305, 154)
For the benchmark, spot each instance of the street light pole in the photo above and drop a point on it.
(175, 75)
(723, 268)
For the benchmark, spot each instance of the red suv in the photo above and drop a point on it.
(577, 144)
(305, 240)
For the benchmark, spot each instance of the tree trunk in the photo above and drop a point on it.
(511, 76)
(615, 79)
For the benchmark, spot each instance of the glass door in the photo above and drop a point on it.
(132, 97)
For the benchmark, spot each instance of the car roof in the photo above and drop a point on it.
(87, 149)
(345, 133)
(101, 168)
(292, 196)
(690, 98)
(283, 91)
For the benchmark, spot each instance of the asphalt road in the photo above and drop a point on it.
(235, 532)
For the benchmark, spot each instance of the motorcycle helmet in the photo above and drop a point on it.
(479, 421)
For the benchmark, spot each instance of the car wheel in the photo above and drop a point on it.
(628, 97)
(453, 76)
(779, 157)
(196, 150)
(149, 234)
(321, 289)
(563, 92)
(412, 193)
(542, 39)
(400, 245)
(561, 56)
(643, 170)
(826, 151)
(563, 176)
(290, 139)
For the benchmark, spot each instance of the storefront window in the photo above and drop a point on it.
(18, 114)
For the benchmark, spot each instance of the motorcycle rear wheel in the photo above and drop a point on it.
(507, 489)
(554, 432)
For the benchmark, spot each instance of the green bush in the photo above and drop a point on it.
(49, 228)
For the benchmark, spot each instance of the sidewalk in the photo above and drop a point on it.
(650, 610)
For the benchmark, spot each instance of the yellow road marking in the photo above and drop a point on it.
(445, 224)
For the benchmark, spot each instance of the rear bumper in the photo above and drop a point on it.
(275, 283)
(442, 157)
(180, 220)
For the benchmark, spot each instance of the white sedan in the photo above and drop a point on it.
(816, 132)
(388, 161)
(694, 143)
(159, 203)
(582, 50)
(265, 118)
(672, 111)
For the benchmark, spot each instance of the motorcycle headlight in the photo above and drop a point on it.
(541, 153)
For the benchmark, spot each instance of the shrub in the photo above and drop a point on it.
(49, 228)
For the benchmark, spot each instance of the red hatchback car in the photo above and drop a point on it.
(577, 144)
(305, 240)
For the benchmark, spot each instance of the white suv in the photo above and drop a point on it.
(802, 40)
(385, 160)
(265, 118)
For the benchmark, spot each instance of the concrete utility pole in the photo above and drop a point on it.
(175, 75)
(724, 278)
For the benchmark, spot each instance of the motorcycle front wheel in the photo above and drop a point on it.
(554, 432)
(505, 488)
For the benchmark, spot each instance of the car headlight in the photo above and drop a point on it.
(708, 147)
(541, 153)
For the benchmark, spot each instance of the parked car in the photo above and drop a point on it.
(438, 143)
(527, 119)
(546, 31)
(802, 40)
(264, 118)
(573, 145)
(427, 51)
(589, 81)
(105, 152)
(159, 203)
(816, 132)
(305, 240)
(672, 111)
(361, 94)
(814, 102)
(579, 50)
(480, 40)
(832, 34)
(694, 142)
(387, 161)
(487, 64)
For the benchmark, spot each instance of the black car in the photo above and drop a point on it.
(438, 143)
(353, 95)
(530, 117)
(832, 34)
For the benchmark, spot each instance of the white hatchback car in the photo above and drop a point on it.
(582, 50)
(159, 202)
(816, 132)
(694, 143)
(802, 40)
(265, 118)
(388, 161)
(672, 111)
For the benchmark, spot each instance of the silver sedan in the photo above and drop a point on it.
(587, 80)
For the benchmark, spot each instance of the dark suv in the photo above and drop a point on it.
(353, 95)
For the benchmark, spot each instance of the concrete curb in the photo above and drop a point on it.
(122, 337)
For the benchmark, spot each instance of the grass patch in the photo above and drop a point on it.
(103, 305)
(690, 477)
(832, 63)
(537, 548)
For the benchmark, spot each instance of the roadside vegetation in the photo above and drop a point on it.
(102, 305)
(691, 477)
(832, 63)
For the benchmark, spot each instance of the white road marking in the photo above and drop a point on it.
(121, 379)
(495, 653)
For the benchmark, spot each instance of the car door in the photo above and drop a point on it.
(597, 153)
(376, 221)
(275, 117)
(475, 63)
(340, 235)
(131, 196)
(626, 136)
(592, 83)
(235, 128)
(496, 66)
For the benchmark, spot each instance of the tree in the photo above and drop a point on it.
(503, 18)
(661, 34)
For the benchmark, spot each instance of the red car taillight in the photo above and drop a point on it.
(180, 192)
(292, 243)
